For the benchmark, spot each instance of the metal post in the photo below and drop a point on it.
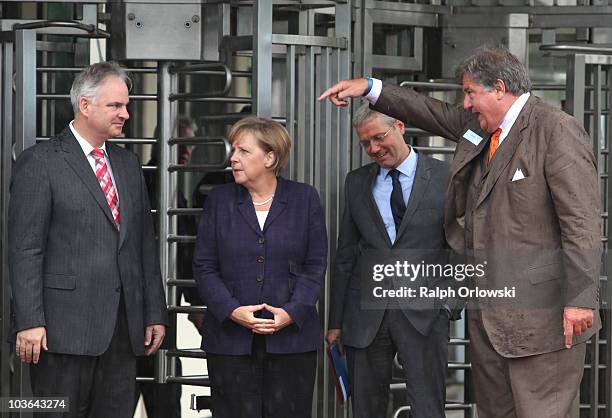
(345, 131)
(324, 143)
(262, 58)
(597, 107)
(24, 135)
(608, 258)
(290, 109)
(25, 89)
(343, 30)
(575, 88)
(307, 115)
(167, 84)
(6, 103)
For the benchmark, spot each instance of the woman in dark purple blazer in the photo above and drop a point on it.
(259, 264)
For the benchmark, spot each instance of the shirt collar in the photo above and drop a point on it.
(512, 114)
(406, 167)
(85, 146)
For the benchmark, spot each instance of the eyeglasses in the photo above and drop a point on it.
(377, 139)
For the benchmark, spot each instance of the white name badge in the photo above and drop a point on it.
(473, 137)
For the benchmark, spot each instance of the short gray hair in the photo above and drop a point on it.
(364, 113)
(185, 122)
(488, 64)
(88, 81)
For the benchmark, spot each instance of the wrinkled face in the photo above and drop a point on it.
(384, 143)
(485, 103)
(107, 112)
(249, 161)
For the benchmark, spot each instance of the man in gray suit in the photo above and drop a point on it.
(394, 203)
(523, 192)
(87, 290)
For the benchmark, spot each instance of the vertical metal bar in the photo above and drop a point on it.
(166, 115)
(417, 47)
(343, 30)
(339, 157)
(25, 87)
(359, 158)
(309, 116)
(171, 201)
(367, 33)
(290, 110)
(45, 104)
(594, 377)
(305, 99)
(360, 35)
(24, 134)
(575, 88)
(50, 122)
(468, 397)
(597, 106)
(300, 140)
(595, 134)
(323, 161)
(90, 14)
(6, 103)
(322, 115)
(262, 58)
(344, 132)
(606, 295)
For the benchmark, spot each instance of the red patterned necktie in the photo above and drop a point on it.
(106, 182)
(494, 144)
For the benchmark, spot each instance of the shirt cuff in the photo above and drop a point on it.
(375, 91)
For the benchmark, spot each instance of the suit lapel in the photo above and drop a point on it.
(118, 168)
(371, 203)
(468, 153)
(73, 154)
(505, 152)
(279, 204)
(245, 208)
(419, 186)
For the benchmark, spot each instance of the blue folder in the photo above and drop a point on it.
(338, 366)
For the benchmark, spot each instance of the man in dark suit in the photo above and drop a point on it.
(523, 193)
(395, 203)
(87, 298)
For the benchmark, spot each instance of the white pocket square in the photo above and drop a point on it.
(518, 175)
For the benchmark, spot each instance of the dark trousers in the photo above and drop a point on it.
(423, 359)
(262, 385)
(161, 400)
(540, 386)
(97, 386)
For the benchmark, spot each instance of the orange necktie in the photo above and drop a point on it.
(494, 144)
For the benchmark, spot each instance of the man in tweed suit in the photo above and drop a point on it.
(523, 191)
(87, 290)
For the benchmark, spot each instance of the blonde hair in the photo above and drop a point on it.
(270, 135)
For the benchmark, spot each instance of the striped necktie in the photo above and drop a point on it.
(106, 182)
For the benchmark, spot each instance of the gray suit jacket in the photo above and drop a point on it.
(362, 228)
(541, 234)
(69, 264)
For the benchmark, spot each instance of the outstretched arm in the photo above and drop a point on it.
(342, 90)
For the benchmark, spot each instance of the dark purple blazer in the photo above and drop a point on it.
(236, 264)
